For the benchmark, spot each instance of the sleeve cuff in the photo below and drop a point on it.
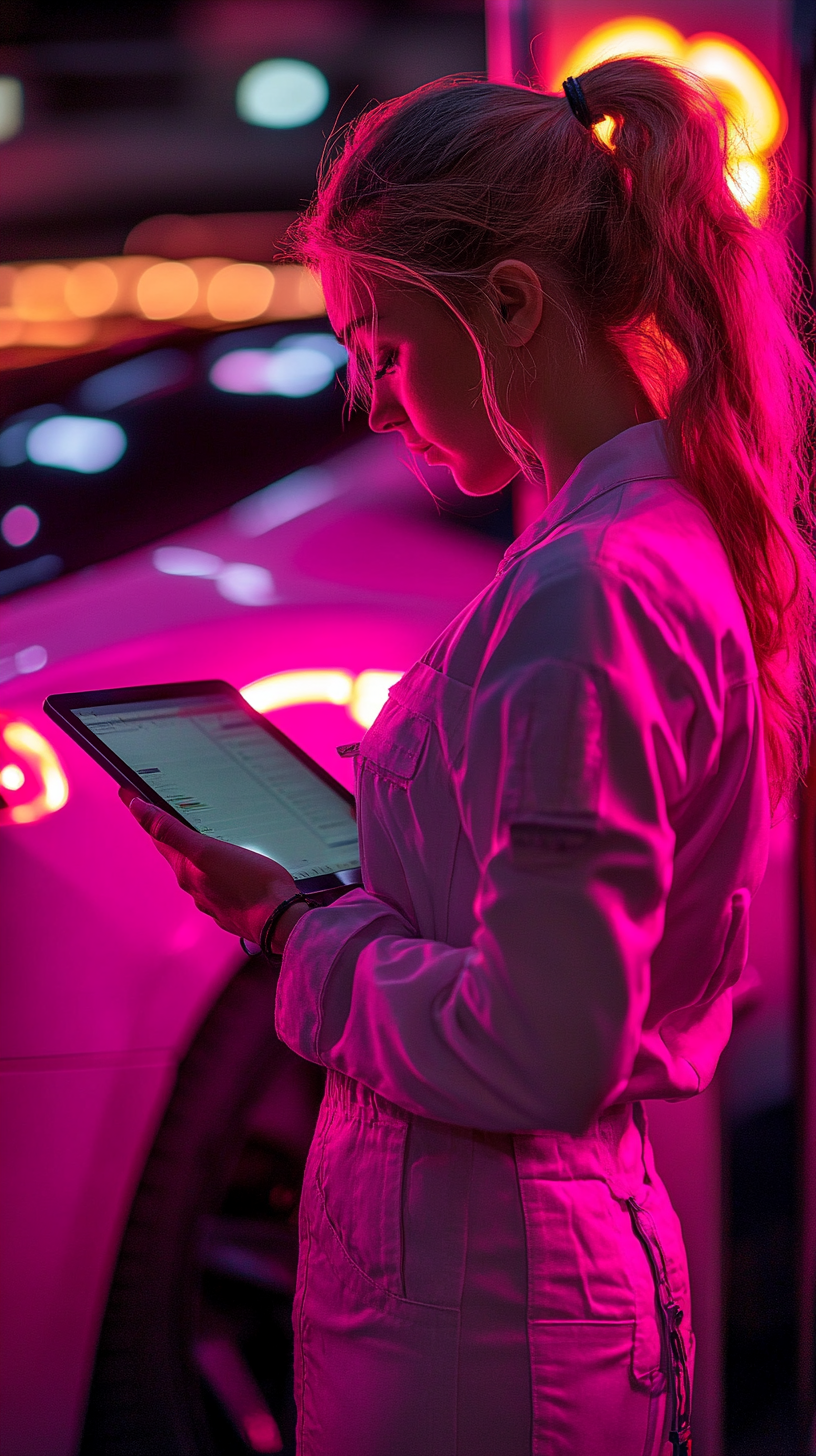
(317, 971)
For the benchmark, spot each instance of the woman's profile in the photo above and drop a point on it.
(564, 806)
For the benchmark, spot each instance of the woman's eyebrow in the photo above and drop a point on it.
(349, 329)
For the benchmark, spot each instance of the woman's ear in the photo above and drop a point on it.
(519, 297)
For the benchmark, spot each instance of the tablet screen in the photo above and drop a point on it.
(229, 778)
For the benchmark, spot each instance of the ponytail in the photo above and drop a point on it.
(637, 220)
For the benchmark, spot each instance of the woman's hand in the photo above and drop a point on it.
(237, 887)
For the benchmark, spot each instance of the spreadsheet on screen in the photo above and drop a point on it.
(230, 779)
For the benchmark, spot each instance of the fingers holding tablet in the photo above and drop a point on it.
(236, 887)
(160, 825)
(206, 776)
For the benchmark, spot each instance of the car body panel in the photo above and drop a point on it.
(108, 969)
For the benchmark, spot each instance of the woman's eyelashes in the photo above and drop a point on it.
(387, 365)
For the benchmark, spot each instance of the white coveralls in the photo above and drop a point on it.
(563, 815)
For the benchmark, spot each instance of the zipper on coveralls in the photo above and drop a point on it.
(679, 1380)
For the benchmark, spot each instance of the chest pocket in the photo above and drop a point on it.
(396, 743)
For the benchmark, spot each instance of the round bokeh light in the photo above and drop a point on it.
(19, 525)
(12, 777)
(282, 94)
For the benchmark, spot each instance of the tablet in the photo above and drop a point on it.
(197, 750)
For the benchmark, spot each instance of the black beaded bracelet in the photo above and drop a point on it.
(268, 931)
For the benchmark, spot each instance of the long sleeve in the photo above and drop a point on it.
(561, 792)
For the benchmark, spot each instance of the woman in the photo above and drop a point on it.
(564, 806)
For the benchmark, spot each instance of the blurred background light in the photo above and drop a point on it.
(363, 695)
(11, 107)
(325, 343)
(167, 290)
(248, 585)
(25, 741)
(12, 777)
(750, 95)
(186, 561)
(30, 659)
(76, 442)
(304, 685)
(237, 581)
(19, 525)
(91, 289)
(757, 116)
(282, 93)
(240, 291)
(13, 443)
(749, 182)
(28, 573)
(370, 694)
(67, 304)
(13, 437)
(631, 35)
(297, 366)
(38, 293)
(283, 501)
(136, 378)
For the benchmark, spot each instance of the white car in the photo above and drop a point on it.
(154, 1129)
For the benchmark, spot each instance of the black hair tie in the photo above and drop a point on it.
(578, 103)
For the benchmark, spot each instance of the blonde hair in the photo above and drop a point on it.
(641, 229)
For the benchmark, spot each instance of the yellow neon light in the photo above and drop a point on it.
(35, 750)
(632, 35)
(748, 181)
(758, 118)
(748, 91)
(288, 689)
(604, 130)
(363, 695)
(369, 695)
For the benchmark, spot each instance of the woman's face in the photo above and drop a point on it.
(427, 381)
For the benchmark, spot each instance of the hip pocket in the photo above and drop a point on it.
(359, 1175)
(585, 1398)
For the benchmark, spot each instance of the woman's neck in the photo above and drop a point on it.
(580, 398)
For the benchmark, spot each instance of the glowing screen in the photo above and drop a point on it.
(232, 780)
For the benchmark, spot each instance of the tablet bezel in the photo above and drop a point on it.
(60, 709)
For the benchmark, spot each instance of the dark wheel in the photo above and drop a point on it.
(195, 1354)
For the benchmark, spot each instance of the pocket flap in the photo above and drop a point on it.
(442, 700)
(393, 744)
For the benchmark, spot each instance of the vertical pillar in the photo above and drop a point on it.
(508, 35)
(806, 1106)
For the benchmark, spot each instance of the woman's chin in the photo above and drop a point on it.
(474, 482)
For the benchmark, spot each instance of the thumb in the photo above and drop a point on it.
(162, 827)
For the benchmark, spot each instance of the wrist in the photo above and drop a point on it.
(287, 923)
(278, 925)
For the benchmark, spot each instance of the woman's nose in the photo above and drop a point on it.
(384, 412)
